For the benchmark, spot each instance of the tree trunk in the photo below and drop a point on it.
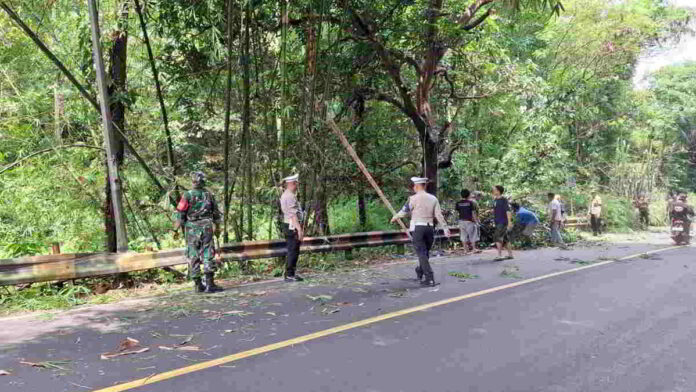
(109, 222)
(430, 160)
(246, 125)
(228, 104)
(117, 88)
(358, 107)
(58, 110)
(117, 57)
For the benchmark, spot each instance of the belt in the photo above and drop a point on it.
(422, 224)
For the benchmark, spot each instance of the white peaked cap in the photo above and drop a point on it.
(291, 178)
(419, 180)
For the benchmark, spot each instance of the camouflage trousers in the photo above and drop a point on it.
(200, 248)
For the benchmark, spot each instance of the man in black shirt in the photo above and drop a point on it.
(503, 223)
(468, 221)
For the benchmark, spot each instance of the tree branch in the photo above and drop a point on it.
(479, 20)
(471, 11)
(453, 93)
(446, 162)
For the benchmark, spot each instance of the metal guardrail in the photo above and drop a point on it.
(84, 265)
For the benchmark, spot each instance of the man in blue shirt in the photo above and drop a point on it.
(526, 221)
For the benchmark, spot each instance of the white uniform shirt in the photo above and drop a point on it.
(423, 208)
(289, 206)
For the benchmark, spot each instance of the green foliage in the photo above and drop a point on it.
(43, 297)
(557, 102)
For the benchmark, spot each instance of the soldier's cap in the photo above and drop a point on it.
(419, 180)
(292, 178)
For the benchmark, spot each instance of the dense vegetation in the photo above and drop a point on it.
(528, 94)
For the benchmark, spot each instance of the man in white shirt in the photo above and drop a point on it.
(292, 226)
(556, 220)
(424, 209)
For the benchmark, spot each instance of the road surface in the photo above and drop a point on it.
(583, 320)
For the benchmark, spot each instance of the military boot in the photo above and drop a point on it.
(419, 273)
(198, 285)
(210, 286)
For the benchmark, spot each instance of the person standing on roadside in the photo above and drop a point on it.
(643, 210)
(468, 221)
(292, 226)
(199, 214)
(595, 212)
(424, 210)
(503, 223)
(555, 220)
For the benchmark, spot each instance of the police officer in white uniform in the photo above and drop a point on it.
(424, 209)
(292, 226)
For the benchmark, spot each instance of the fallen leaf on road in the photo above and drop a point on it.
(330, 310)
(462, 275)
(128, 343)
(320, 298)
(128, 346)
(46, 364)
(511, 271)
(239, 313)
(270, 313)
(5, 373)
(360, 290)
(180, 348)
(122, 353)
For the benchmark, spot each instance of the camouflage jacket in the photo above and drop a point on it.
(196, 205)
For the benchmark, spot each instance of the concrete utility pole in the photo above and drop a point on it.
(109, 135)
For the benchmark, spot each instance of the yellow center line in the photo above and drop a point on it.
(345, 327)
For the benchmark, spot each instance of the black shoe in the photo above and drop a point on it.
(428, 282)
(210, 286)
(419, 273)
(293, 278)
(198, 286)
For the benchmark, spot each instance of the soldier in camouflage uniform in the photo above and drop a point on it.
(199, 214)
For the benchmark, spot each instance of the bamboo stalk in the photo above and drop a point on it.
(332, 125)
(160, 98)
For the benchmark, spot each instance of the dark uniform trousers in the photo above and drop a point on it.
(293, 254)
(423, 238)
(596, 223)
(644, 217)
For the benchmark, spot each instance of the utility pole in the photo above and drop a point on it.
(109, 135)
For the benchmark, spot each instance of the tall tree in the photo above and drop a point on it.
(423, 50)
(118, 56)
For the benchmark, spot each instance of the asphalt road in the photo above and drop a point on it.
(625, 326)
